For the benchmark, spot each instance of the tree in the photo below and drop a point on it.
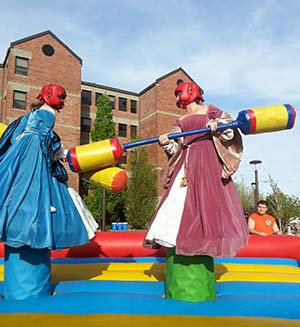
(245, 195)
(104, 127)
(283, 207)
(141, 194)
(98, 198)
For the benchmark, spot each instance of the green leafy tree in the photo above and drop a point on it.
(245, 195)
(112, 207)
(103, 125)
(94, 202)
(141, 194)
(282, 206)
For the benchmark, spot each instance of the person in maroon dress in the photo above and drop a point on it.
(200, 215)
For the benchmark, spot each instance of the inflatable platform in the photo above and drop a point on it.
(114, 281)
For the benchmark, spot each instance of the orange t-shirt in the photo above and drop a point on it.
(263, 223)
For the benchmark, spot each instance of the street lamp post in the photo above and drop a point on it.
(254, 164)
(103, 210)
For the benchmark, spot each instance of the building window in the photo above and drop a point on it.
(122, 130)
(85, 124)
(48, 50)
(112, 101)
(123, 160)
(86, 97)
(133, 106)
(122, 104)
(21, 66)
(19, 101)
(97, 96)
(133, 131)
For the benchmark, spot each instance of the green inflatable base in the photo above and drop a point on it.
(189, 278)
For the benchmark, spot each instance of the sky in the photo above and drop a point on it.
(243, 53)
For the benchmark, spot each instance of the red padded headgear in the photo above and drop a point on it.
(53, 95)
(187, 93)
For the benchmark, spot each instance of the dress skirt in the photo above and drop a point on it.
(205, 217)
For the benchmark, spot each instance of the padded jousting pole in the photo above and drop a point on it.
(106, 153)
(251, 121)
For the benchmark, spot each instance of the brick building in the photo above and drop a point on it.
(43, 58)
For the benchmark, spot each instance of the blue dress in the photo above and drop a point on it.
(31, 183)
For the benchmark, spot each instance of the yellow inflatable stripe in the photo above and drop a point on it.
(108, 275)
(266, 121)
(257, 277)
(109, 271)
(145, 266)
(129, 320)
(156, 272)
(257, 268)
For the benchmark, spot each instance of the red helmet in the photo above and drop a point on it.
(53, 95)
(187, 93)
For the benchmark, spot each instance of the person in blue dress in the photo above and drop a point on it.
(37, 211)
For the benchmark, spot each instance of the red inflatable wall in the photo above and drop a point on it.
(273, 246)
(130, 245)
(111, 244)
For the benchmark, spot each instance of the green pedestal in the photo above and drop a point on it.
(190, 278)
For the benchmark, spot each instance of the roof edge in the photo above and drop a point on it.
(165, 76)
(34, 36)
(109, 88)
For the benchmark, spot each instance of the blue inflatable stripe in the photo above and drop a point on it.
(265, 261)
(291, 117)
(102, 286)
(262, 261)
(133, 298)
(158, 288)
(105, 260)
(243, 120)
(69, 159)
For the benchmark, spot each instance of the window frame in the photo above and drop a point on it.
(131, 106)
(16, 101)
(97, 96)
(83, 97)
(131, 134)
(19, 69)
(121, 130)
(112, 100)
(85, 127)
(122, 107)
(123, 160)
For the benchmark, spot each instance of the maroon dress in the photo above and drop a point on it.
(212, 220)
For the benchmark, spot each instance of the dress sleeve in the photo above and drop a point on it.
(57, 169)
(171, 148)
(214, 112)
(14, 129)
(50, 144)
(228, 144)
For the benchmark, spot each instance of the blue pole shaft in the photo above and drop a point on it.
(171, 136)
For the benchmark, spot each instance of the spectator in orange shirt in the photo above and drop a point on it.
(260, 223)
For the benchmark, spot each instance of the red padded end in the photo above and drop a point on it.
(117, 149)
(119, 182)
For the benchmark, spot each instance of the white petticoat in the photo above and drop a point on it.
(87, 218)
(164, 228)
